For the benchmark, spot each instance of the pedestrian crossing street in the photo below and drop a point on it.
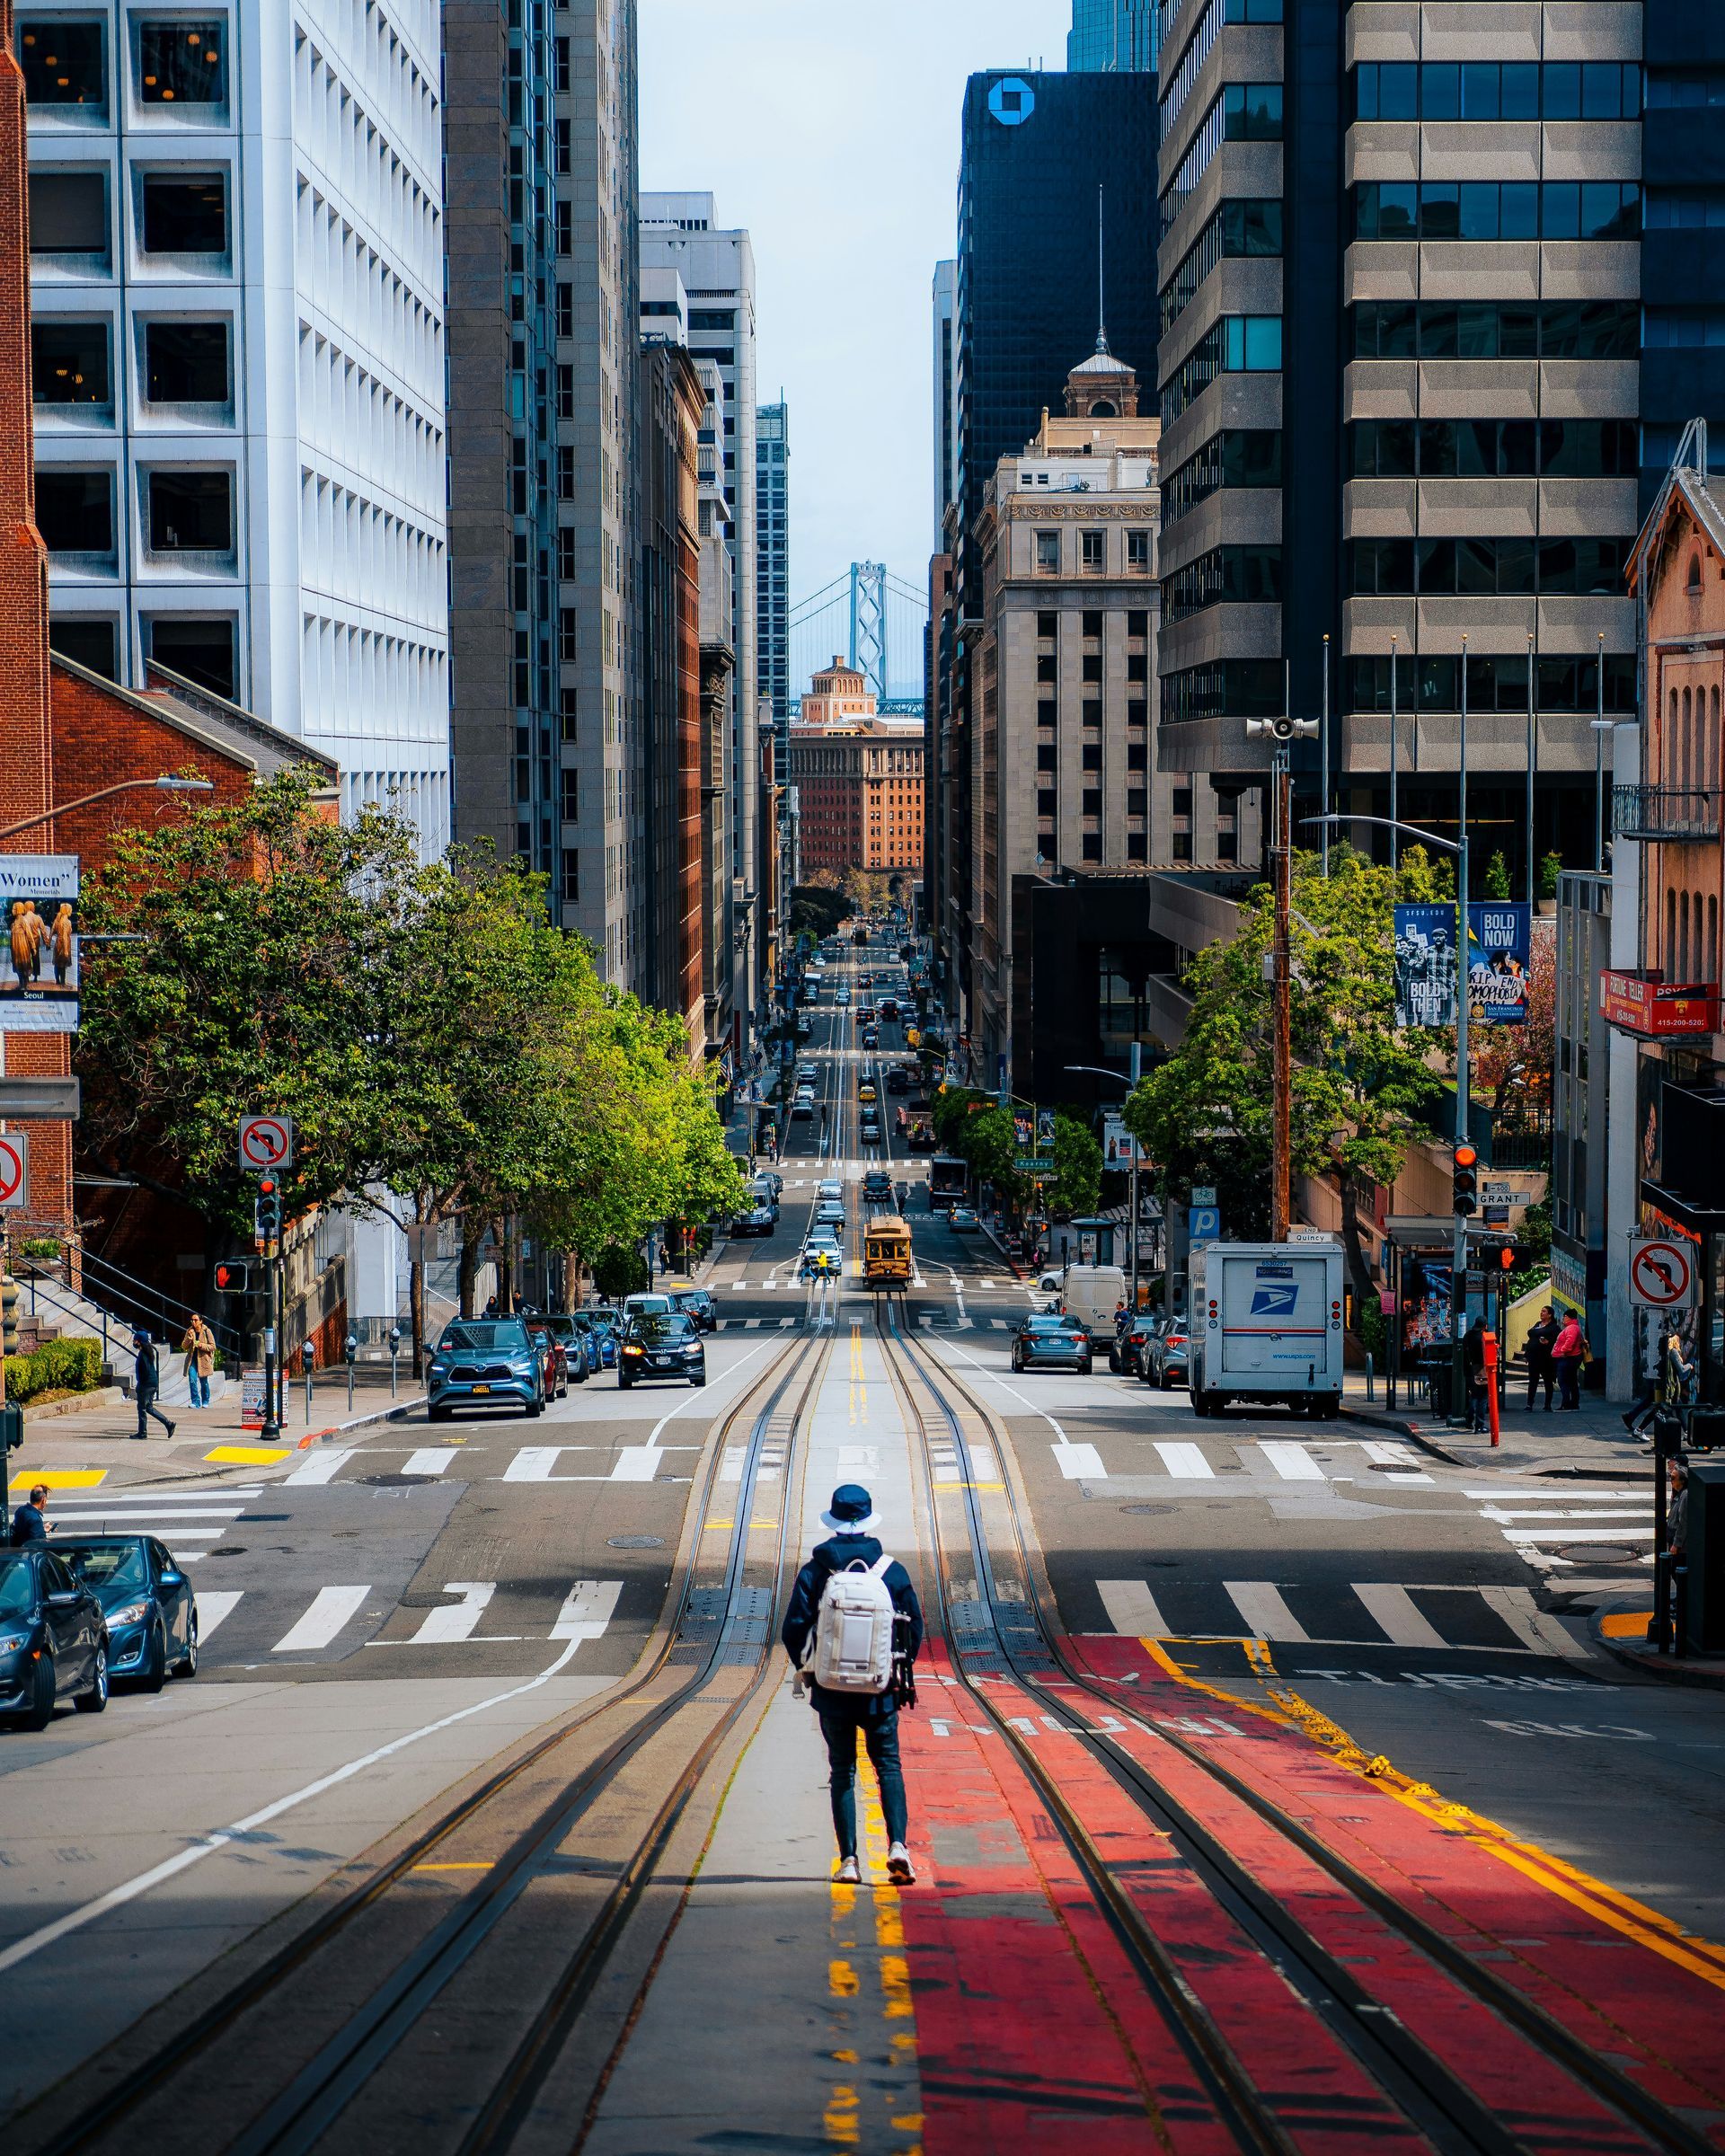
(1458, 1619)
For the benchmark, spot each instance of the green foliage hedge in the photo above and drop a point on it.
(72, 1365)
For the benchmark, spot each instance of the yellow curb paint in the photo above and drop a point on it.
(62, 1478)
(1627, 1624)
(247, 1455)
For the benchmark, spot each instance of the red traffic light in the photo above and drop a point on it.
(267, 1186)
(1466, 1156)
(232, 1279)
(1506, 1259)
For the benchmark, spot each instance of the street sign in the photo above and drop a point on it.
(266, 1142)
(15, 1169)
(1203, 1194)
(1661, 1273)
(1034, 1163)
(41, 1100)
(1203, 1223)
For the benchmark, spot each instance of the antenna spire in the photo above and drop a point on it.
(1101, 304)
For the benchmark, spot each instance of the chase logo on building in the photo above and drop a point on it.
(1012, 100)
(1274, 1301)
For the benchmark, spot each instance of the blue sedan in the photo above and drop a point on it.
(486, 1363)
(1050, 1342)
(53, 1642)
(605, 1323)
(146, 1603)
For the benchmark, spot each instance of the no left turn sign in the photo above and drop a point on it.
(1661, 1273)
(14, 1169)
(266, 1142)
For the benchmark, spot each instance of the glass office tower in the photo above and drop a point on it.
(1111, 37)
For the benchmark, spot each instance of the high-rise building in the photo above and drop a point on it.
(773, 560)
(237, 241)
(1112, 36)
(859, 779)
(1436, 251)
(1049, 165)
(718, 728)
(943, 375)
(680, 231)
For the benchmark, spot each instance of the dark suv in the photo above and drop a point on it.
(53, 1637)
(661, 1344)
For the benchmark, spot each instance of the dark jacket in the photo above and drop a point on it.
(1541, 1339)
(798, 1631)
(1473, 1352)
(28, 1526)
(146, 1371)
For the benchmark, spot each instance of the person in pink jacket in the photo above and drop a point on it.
(1567, 1352)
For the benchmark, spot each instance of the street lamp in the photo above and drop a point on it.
(165, 784)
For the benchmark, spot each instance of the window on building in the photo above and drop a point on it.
(63, 64)
(74, 510)
(1092, 712)
(1137, 846)
(566, 553)
(87, 640)
(570, 879)
(1092, 755)
(190, 512)
(1136, 756)
(182, 61)
(562, 140)
(565, 389)
(1135, 801)
(571, 796)
(1182, 845)
(1227, 845)
(1047, 756)
(568, 648)
(1137, 666)
(1093, 621)
(1048, 623)
(1047, 713)
(1138, 621)
(565, 310)
(560, 67)
(1252, 112)
(1047, 667)
(1137, 712)
(185, 213)
(69, 361)
(186, 363)
(1048, 554)
(197, 647)
(1048, 803)
(1137, 558)
(68, 212)
(1095, 551)
(565, 473)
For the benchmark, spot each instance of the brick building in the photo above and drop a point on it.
(859, 779)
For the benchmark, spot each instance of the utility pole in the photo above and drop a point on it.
(1458, 1256)
(1281, 842)
(1136, 1070)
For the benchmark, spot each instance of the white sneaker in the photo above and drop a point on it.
(849, 1873)
(900, 1870)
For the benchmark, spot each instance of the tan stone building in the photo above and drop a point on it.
(858, 778)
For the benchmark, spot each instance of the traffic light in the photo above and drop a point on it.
(1497, 1256)
(267, 1218)
(1464, 1180)
(233, 1277)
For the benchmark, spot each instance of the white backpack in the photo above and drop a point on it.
(854, 1630)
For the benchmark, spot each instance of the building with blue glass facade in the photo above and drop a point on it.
(1111, 36)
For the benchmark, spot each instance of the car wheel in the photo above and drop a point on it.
(437, 1414)
(153, 1671)
(1198, 1408)
(40, 1711)
(536, 1409)
(96, 1697)
(187, 1665)
(699, 1381)
(623, 1381)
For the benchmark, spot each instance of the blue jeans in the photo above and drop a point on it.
(882, 1737)
(199, 1387)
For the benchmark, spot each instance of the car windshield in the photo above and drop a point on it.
(505, 1333)
(656, 1326)
(564, 1327)
(17, 1588)
(1046, 1325)
(107, 1564)
(606, 1320)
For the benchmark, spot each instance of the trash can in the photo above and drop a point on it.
(1704, 1553)
(1438, 1374)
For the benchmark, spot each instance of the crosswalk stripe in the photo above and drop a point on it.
(1132, 1608)
(331, 1608)
(1291, 1461)
(1186, 1461)
(1263, 1611)
(1393, 1609)
(213, 1607)
(429, 1459)
(1531, 1625)
(1079, 1463)
(455, 1620)
(533, 1464)
(1398, 1457)
(588, 1608)
(322, 1467)
(636, 1463)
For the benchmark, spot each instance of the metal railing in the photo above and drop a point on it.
(1662, 814)
(131, 1302)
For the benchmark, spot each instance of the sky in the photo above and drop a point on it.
(831, 130)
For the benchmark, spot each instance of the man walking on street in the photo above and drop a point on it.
(30, 1522)
(1474, 1370)
(847, 1713)
(146, 1382)
(1541, 1371)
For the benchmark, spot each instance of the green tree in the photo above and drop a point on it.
(1359, 1088)
(1077, 1167)
(1497, 876)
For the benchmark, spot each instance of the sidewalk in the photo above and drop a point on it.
(1590, 1444)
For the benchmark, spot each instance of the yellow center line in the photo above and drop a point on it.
(453, 1867)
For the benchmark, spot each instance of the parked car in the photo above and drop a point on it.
(697, 1303)
(485, 1362)
(1047, 1341)
(661, 1344)
(147, 1604)
(580, 1344)
(757, 1220)
(1167, 1360)
(550, 1347)
(963, 1220)
(53, 1637)
(1129, 1349)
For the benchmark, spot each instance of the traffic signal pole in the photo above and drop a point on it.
(1282, 871)
(1458, 1277)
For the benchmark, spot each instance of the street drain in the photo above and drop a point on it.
(392, 1481)
(1157, 1509)
(635, 1541)
(1590, 1553)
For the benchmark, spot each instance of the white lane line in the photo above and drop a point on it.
(213, 1607)
(457, 1619)
(1291, 1461)
(1079, 1463)
(588, 1608)
(322, 1467)
(1393, 1609)
(1264, 1614)
(429, 1459)
(1185, 1460)
(1132, 1609)
(331, 1608)
(1532, 1626)
(128, 1890)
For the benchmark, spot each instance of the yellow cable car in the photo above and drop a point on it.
(886, 1253)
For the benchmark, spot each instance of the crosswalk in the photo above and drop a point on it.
(1459, 1620)
(342, 1617)
(1273, 1459)
(1568, 1532)
(191, 1523)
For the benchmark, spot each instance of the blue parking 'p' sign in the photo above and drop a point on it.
(1203, 1223)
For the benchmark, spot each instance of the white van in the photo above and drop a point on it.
(1093, 1294)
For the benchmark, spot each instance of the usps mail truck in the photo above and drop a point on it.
(1266, 1325)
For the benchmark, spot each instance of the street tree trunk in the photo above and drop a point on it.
(473, 1231)
(1358, 1271)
